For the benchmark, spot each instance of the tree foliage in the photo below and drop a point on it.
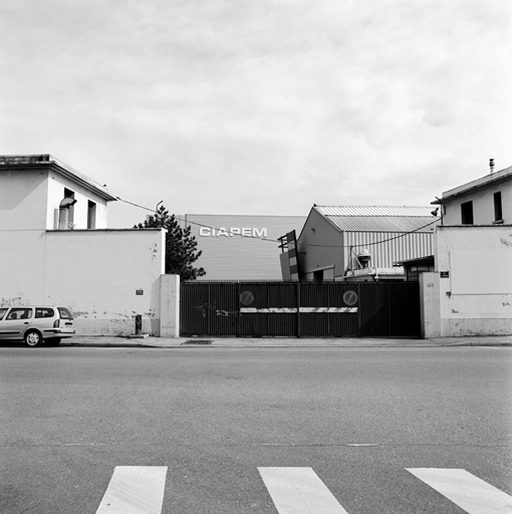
(180, 246)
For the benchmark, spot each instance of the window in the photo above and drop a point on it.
(91, 215)
(71, 209)
(318, 276)
(64, 313)
(44, 313)
(466, 210)
(67, 210)
(20, 313)
(498, 210)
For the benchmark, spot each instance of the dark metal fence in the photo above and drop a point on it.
(300, 309)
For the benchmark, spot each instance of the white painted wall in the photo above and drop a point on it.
(22, 199)
(29, 198)
(483, 204)
(475, 293)
(95, 273)
(169, 306)
(21, 266)
(56, 185)
(429, 305)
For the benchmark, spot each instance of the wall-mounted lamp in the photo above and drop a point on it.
(67, 202)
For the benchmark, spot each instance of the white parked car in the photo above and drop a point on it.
(35, 325)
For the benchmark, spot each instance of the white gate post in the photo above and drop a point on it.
(169, 306)
(430, 305)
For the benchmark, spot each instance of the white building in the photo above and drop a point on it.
(485, 201)
(56, 249)
(470, 292)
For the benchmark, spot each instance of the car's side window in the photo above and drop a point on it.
(20, 313)
(44, 313)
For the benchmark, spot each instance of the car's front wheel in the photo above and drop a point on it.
(33, 338)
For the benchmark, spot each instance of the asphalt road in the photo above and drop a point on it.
(359, 417)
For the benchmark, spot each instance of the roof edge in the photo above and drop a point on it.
(37, 160)
(486, 180)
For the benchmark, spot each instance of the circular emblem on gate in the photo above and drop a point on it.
(350, 297)
(246, 298)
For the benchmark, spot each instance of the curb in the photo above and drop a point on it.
(133, 342)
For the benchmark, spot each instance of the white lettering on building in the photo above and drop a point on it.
(233, 231)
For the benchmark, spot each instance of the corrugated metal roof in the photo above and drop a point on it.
(379, 219)
(373, 211)
(382, 224)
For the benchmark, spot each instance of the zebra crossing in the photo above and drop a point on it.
(298, 490)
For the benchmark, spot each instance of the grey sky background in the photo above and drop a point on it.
(259, 107)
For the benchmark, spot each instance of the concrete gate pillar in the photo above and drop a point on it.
(169, 306)
(430, 305)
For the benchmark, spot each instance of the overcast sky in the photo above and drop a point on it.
(259, 107)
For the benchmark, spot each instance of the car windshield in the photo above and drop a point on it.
(2, 313)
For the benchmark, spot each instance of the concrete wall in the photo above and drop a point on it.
(106, 277)
(169, 306)
(429, 305)
(472, 284)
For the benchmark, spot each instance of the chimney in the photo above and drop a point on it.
(491, 165)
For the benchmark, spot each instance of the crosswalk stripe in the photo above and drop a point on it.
(134, 490)
(466, 490)
(299, 491)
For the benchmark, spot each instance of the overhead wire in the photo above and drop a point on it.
(186, 220)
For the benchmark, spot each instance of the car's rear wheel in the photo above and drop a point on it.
(33, 338)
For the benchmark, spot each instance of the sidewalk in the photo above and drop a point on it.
(280, 342)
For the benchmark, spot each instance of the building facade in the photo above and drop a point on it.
(334, 239)
(470, 291)
(236, 247)
(56, 249)
(485, 201)
(40, 192)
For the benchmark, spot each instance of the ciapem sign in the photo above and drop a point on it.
(232, 231)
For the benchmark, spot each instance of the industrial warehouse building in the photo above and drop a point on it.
(245, 247)
(240, 247)
(335, 239)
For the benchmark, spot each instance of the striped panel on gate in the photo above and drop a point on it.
(293, 310)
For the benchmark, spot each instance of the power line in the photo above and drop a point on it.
(135, 204)
(185, 220)
(376, 242)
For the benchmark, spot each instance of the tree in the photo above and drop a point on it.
(180, 247)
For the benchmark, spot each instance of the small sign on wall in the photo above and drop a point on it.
(444, 274)
(139, 292)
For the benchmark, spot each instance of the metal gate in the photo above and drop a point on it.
(300, 309)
